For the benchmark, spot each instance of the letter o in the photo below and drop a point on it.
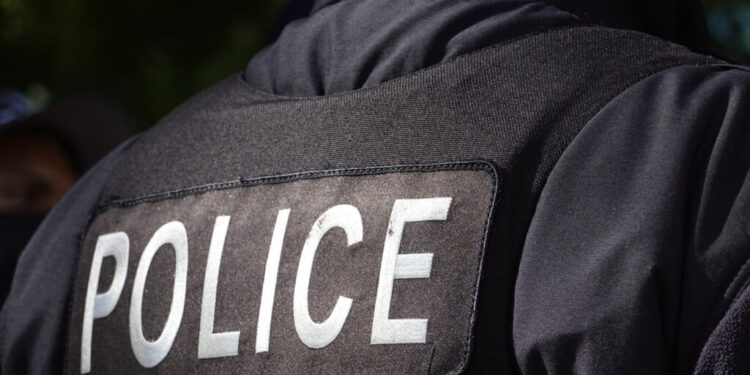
(151, 353)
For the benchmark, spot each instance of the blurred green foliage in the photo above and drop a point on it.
(148, 55)
(151, 55)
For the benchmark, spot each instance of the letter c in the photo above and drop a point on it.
(319, 335)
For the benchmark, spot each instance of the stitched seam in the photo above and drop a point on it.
(290, 177)
(496, 180)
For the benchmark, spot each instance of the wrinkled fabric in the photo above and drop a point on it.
(350, 45)
(639, 241)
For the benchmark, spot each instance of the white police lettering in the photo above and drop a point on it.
(150, 353)
(263, 333)
(210, 344)
(406, 266)
(315, 335)
(319, 335)
(116, 245)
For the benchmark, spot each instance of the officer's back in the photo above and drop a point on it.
(429, 187)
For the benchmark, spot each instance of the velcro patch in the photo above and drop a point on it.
(364, 271)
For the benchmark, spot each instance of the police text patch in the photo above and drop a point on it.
(362, 271)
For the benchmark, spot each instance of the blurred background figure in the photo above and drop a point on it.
(41, 157)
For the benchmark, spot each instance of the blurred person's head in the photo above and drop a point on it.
(41, 157)
(35, 172)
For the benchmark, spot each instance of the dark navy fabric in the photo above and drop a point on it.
(639, 242)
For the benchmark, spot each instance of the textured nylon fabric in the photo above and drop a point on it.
(517, 105)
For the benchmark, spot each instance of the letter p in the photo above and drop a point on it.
(98, 305)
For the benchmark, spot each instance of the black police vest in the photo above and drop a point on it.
(372, 231)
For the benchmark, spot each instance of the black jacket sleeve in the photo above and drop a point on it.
(639, 244)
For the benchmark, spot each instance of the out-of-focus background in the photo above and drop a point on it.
(150, 55)
(147, 55)
(728, 24)
(78, 77)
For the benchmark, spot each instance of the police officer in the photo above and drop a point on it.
(417, 187)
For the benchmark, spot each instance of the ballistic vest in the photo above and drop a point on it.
(371, 231)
